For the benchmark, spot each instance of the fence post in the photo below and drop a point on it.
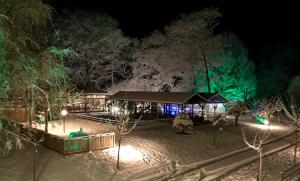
(281, 175)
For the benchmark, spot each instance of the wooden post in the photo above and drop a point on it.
(192, 110)
(135, 111)
(214, 137)
(46, 120)
(202, 109)
(295, 148)
(215, 106)
(259, 165)
(118, 158)
(34, 160)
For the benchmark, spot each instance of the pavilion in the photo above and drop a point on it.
(172, 103)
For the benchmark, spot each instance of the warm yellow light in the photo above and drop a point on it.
(264, 126)
(115, 109)
(266, 122)
(127, 153)
(64, 112)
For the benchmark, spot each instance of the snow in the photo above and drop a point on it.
(157, 152)
(72, 125)
(272, 166)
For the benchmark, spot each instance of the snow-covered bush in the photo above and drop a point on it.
(183, 122)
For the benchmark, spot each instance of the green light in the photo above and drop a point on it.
(231, 72)
(261, 119)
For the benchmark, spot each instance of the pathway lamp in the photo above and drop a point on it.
(64, 114)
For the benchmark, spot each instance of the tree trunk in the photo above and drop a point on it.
(27, 107)
(206, 71)
(259, 178)
(34, 160)
(214, 137)
(64, 124)
(112, 73)
(118, 158)
(202, 110)
(236, 120)
(295, 148)
(32, 113)
(192, 110)
(46, 121)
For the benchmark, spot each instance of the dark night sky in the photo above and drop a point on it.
(258, 23)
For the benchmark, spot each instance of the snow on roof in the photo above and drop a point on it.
(166, 97)
(213, 97)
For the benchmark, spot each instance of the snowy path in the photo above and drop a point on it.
(220, 169)
(272, 166)
(163, 155)
(214, 168)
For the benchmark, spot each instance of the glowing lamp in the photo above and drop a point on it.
(262, 119)
(115, 109)
(266, 122)
(64, 113)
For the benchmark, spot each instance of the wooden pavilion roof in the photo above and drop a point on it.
(167, 97)
(213, 97)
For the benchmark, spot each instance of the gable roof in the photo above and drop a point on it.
(159, 97)
(213, 97)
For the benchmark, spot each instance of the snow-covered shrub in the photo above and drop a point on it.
(183, 122)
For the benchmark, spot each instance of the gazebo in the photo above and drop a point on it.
(169, 103)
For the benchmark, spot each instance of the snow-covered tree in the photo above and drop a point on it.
(170, 60)
(194, 32)
(232, 74)
(160, 65)
(182, 122)
(104, 52)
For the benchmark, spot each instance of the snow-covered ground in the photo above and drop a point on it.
(148, 153)
(72, 125)
(272, 166)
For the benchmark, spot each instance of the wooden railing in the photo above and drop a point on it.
(65, 146)
(290, 171)
(140, 124)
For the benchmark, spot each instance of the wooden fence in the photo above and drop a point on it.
(290, 172)
(14, 114)
(66, 146)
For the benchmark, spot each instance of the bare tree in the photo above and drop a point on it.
(268, 106)
(291, 110)
(13, 135)
(257, 146)
(122, 127)
(214, 121)
(237, 109)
